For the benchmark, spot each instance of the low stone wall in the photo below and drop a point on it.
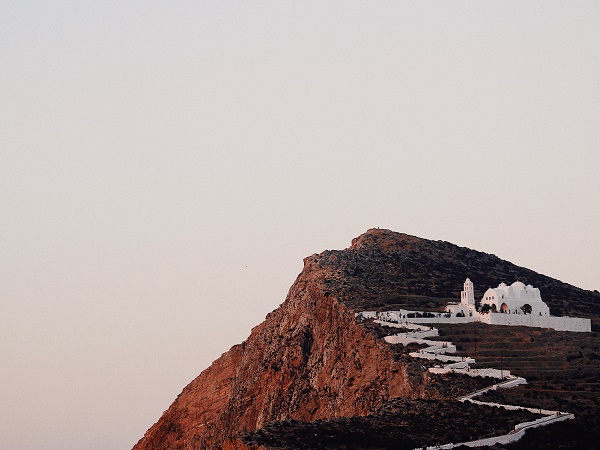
(443, 319)
(492, 373)
(530, 320)
(506, 438)
(556, 323)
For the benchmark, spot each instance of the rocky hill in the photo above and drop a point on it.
(384, 268)
(311, 361)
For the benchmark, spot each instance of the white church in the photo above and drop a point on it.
(515, 299)
(517, 304)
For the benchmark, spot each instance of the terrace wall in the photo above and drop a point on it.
(530, 320)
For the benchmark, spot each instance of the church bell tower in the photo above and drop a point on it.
(467, 296)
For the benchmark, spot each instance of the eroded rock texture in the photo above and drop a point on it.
(308, 360)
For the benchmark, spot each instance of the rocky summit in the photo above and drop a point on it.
(312, 366)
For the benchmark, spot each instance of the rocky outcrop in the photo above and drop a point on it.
(308, 360)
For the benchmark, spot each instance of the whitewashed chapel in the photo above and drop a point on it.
(517, 304)
(515, 299)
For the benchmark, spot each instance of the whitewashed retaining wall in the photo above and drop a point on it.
(444, 319)
(557, 323)
(530, 320)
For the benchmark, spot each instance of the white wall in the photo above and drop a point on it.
(556, 323)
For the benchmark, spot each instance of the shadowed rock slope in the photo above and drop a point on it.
(309, 360)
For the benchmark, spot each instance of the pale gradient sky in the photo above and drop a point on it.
(165, 166)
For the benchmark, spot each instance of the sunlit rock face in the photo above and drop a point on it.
(308, 360)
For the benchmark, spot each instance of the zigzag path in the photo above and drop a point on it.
(442, 351)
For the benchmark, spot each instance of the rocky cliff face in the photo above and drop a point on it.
(310, 360)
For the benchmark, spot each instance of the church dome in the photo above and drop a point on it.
(518, 286)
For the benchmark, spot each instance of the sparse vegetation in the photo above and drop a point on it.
(562, 370)
(399, 424)
(526, 308)
(393, 270)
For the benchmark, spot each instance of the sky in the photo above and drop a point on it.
(166, 166)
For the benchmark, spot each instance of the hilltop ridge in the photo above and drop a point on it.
(384, 268)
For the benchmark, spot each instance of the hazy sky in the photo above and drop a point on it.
(165, 166)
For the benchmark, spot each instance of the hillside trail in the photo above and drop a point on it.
(442, 351)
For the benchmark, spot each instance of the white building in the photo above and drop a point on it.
(466, 307)
(515, 299)
(516, 304)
